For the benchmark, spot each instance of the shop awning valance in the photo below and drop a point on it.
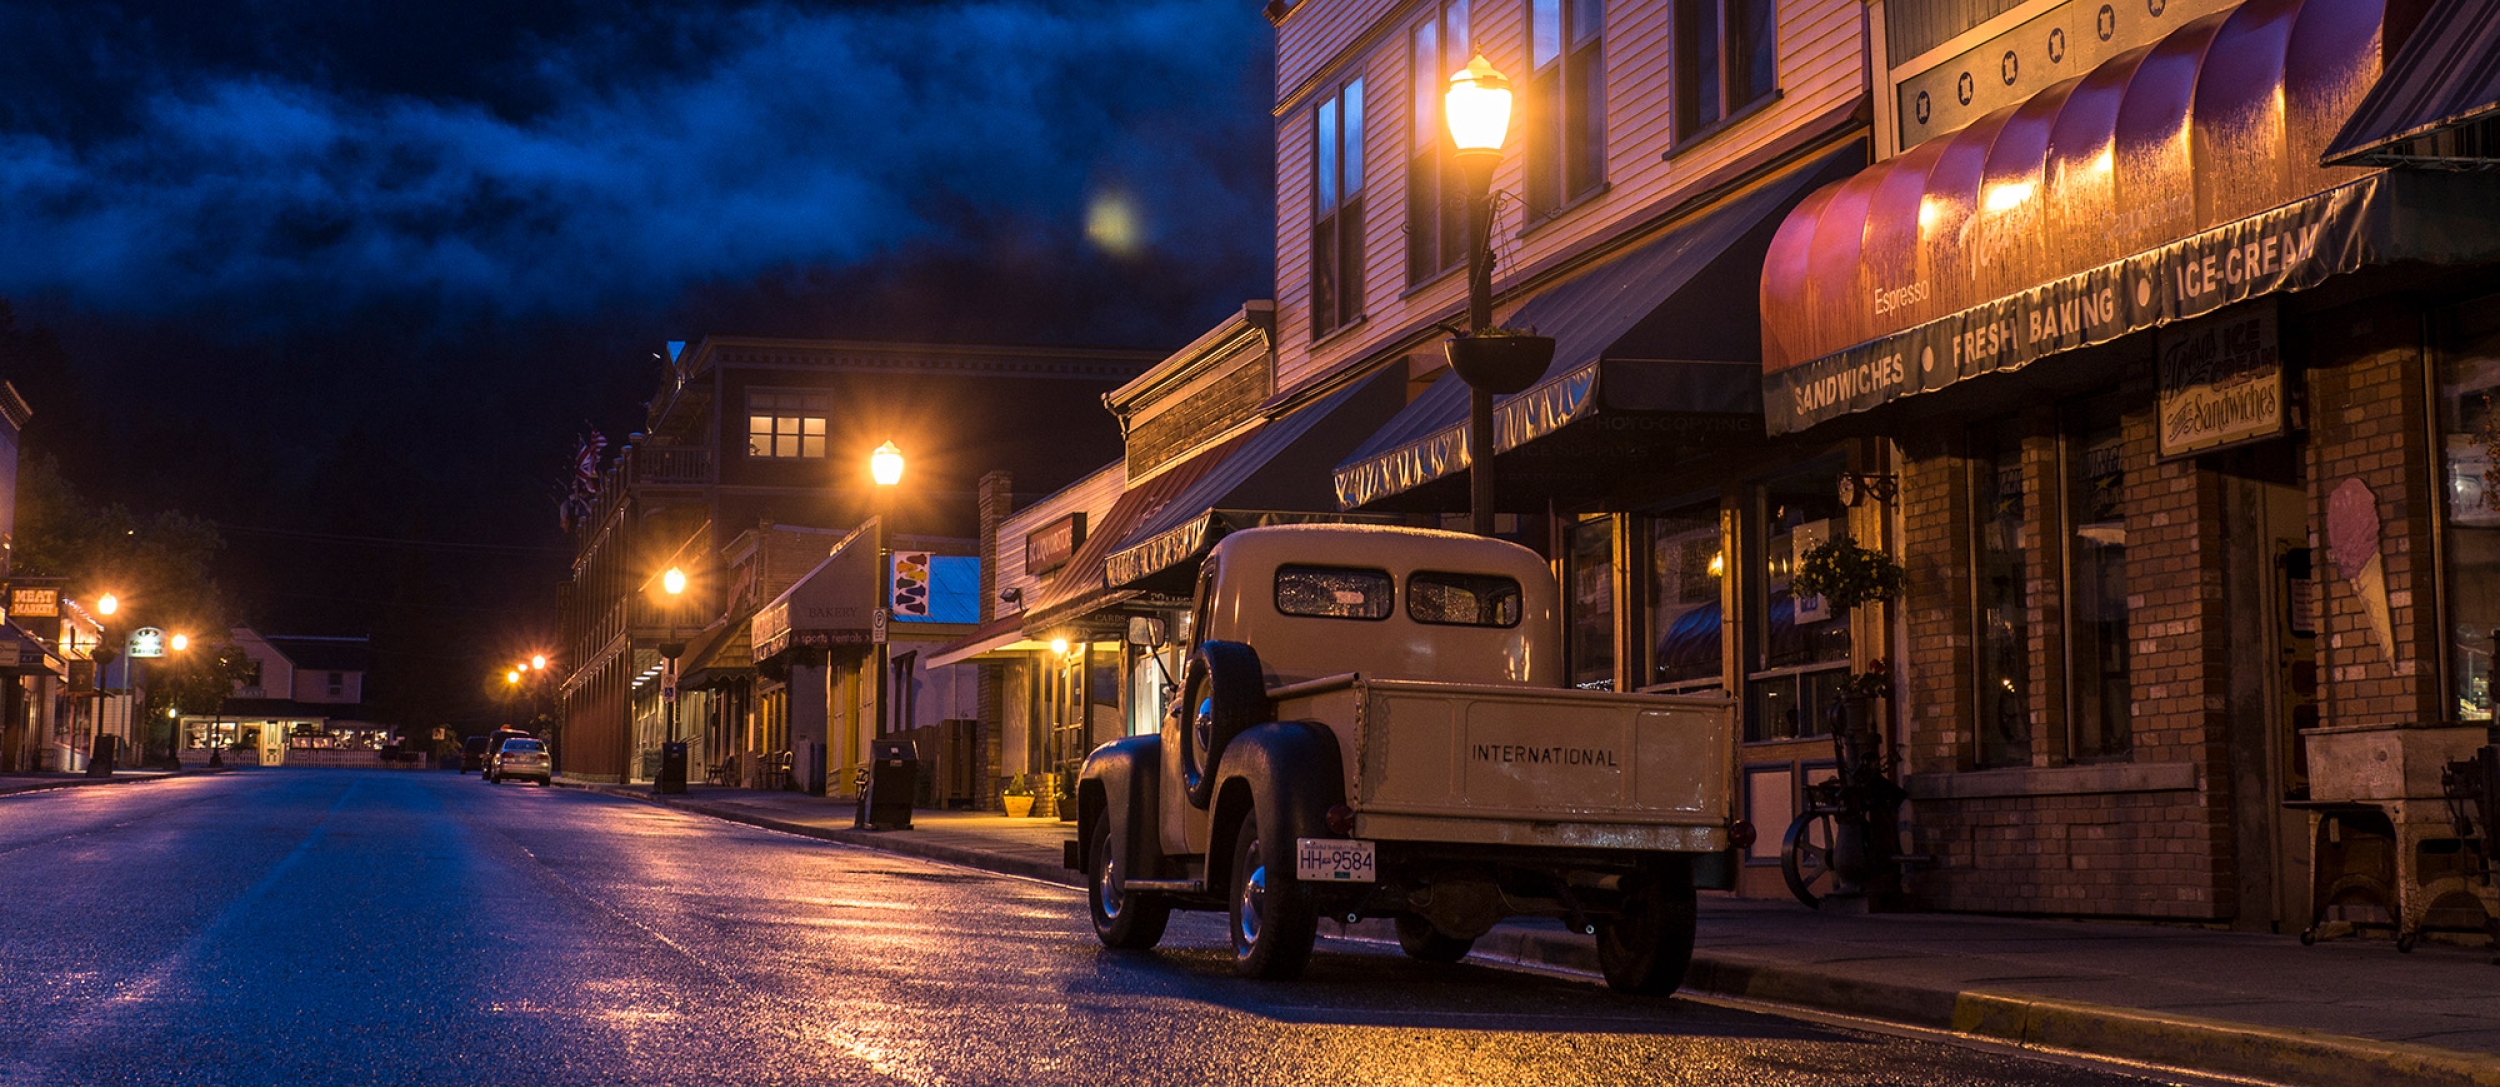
(719, 656)
(1620, 346)
(23, 654)
(1164, 562)
(834, 604)
(2166, 183)
(2439, 103)
(997, 638)
(1079, 587)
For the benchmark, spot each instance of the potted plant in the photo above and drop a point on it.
(1017, 798)
(1846, 575)
(1500, 361)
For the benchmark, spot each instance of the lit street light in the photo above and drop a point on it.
(1477, 110)
(538, 662)
(181, 642)
(886, 467)
(672, 776)
(107, 604)
(886, 464)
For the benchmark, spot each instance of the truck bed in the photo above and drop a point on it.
(1452, 762)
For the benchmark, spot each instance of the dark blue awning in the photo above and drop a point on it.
(1664, 329)
(2438, 104)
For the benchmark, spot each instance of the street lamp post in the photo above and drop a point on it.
(885, 466)
(1477, 109)
(100, 761)
(672, 776)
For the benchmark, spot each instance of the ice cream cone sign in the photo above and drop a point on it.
(2352, 530)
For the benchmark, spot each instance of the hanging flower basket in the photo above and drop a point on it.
(1500, 361)
(1846, 575)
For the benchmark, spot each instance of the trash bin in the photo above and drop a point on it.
(100, 760)
(893, 779)
(672, 777)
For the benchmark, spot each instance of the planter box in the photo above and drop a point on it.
(2375, 762)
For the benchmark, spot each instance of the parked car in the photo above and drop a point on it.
(495, 741)
(1372, 724)
(473, 754)
(522, 758)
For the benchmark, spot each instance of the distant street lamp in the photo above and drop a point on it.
(181, 642)
(101, 757)
(107, 604)
(1477, 110)
(672, 776)
(538, 662)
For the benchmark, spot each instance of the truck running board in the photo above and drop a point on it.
(1165, 886)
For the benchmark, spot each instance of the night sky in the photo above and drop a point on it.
(349, 279)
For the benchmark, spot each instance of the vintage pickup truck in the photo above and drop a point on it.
(1372, 722)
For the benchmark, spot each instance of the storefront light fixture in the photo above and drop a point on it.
(886, 464)
(1477, 107)
(1059, 646)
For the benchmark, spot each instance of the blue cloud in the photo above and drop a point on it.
(767, 138)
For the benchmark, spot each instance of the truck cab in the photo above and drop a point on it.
(1372, 722)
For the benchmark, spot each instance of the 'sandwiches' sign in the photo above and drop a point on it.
(2221, 382)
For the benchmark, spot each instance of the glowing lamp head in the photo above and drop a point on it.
(1059, 646)
(1477, 106)
(513, 676)
(173, 713)
(674, 581)
(107, 604)
(886, 464)
(538, 662)
(180, 642)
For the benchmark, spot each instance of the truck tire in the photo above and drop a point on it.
(1274, 924)
(1648, 948)
(1223, 691)
(1424, 943)
(1123, 920)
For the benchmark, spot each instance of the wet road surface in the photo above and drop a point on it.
(320, 926)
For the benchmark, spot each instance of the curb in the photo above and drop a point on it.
(2185, 1042)
(84, 782)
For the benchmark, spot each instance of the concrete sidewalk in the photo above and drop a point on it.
(2342, 1012)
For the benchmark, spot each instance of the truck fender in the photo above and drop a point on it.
(1292, 771)
(1119, 783)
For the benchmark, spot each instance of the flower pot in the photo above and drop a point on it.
(1018, 807)
(1500, 365)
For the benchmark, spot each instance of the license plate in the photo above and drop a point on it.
(1335, 860)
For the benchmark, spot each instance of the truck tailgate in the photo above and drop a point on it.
(1546, 757)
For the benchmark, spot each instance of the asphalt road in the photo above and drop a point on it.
(320, 926)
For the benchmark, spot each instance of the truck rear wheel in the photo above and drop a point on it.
(1649, 947)
(1123, 919)
(1274, 925)
(1424, 943)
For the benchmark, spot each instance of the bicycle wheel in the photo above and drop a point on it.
(1806, 857)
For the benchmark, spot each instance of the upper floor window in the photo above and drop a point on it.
(786, 423)
(1566, 106)
(338, 683)
(1726, 58)
(1337, 210)
(1436, 201)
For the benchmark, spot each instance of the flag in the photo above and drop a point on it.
(583, 496)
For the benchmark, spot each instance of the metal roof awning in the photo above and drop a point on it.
(2164, 184)
(2439, 103)
(719, 656)
(1657, 333)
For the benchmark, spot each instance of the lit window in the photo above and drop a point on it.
(1566, 119)
(786, 424)
(1337, 210)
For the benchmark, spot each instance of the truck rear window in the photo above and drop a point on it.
(1467, 600)
(1334, 592)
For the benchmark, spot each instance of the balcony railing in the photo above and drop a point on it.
(678, 465)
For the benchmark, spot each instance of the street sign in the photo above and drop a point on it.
(876, 627)
(147, 643)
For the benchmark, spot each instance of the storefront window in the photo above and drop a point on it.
(1801, 650)
(2097, 590)
(1686, 565)
(2002, 497)
(2469, 380)
(1589, 581)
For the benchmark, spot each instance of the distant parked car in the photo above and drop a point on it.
(473, 754)
(521, 758)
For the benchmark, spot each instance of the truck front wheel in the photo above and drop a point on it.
(1649, 946)
(1274, 925)
(1123, 919)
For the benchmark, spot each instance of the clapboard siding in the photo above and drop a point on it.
(1822, 69)
(1092, 496)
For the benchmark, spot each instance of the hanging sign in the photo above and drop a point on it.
(2221, 383)
(1051, 546)
(147, 643)
(911, 584)
(26, 603)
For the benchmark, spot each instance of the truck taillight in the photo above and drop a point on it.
(1340, 821)
(1741, 835)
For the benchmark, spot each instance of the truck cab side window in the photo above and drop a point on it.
(1467, 600)
(1334, 592)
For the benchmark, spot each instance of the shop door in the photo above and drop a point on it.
(1069, 741)
(2273, 683)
